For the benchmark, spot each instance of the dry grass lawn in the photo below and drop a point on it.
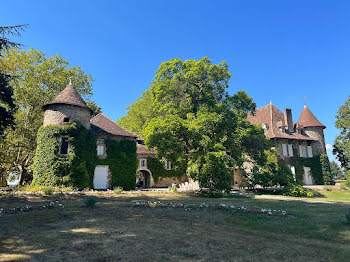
(115, 231)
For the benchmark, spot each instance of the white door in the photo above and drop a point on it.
(307, 176)
(100, 177)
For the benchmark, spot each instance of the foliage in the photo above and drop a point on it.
(347, 215)
(313, 162)
(341, 146)
(336, 171)
(5, 31)
(95, 108)
(271, 174)
(172, 189)
(158, 170)
(51, 169)
(139, 114)
(7, 106)
(299, 191)
(118, 191)
(48, 191)
(36, 80)
(77, 169)
(122, 161)
(326, 169)
(90, 201)
(194, 119)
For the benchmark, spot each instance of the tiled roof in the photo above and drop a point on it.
(273, 119)
(142, 150)
(69, 96)
(263, 115)
(101, 124)
(307, 119)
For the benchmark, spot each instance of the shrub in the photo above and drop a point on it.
(299, 191)
(90, 201)
(118, 191)
(172, 189)
(48, 191)
(347, 215)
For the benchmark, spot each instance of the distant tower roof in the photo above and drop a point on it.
(68, 96)
(307, 119)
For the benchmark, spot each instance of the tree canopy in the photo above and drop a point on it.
(342, 142)
(36, 79)
(189, 117)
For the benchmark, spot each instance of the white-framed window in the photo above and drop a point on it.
(302, 151)
(100, 150)
(167, 165)
(290, 150)
(287, 150)
(309, 151)
(284, 150)
(143, 162)
(64, 146)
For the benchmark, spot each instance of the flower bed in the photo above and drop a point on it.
(217, 206)
(28, 208)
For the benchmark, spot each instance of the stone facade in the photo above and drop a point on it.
(318, 146)
(57, 113)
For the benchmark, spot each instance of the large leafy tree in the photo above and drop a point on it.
(342, 142)
(194, 121)
(36, 79)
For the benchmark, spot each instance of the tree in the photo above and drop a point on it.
(326, 169)
(336, 171)
(139, 114)
(36, 80)
(342, 143)
(95, 108)
(192, 120)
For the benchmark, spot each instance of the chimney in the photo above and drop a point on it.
(288, 119)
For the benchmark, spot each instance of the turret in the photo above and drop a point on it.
(67, 107)
(313, 128)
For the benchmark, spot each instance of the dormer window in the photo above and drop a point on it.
(66, 120)
(64, 146)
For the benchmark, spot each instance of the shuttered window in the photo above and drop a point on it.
(290, 150)
(284, 150)
(309, 151)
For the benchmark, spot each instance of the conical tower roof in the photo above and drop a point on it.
(68, 96)
(307, 119)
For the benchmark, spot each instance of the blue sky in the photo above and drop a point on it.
(281, 50)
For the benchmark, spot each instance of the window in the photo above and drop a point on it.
(64, 146)
(100, 141)
(100, 150)
(309, 151)
(167, 165)
(302, 151)
(284, 150)
(143, 162)
(66, 119)
(290, 150)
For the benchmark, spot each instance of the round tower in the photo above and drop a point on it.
(67, 107)
(313, 128)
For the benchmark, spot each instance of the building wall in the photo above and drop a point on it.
(168, 181)
(319, 147)
(55, 115)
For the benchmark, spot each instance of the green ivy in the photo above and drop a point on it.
(313, 162)
(77, 169)
(157, 167)
(122, 161)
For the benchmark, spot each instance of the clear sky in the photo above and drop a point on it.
(283, 50)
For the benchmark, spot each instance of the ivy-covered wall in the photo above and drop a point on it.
(158, 170)
(313, 162)
(77, 169)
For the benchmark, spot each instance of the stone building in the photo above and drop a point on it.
(303, 139)
(69, 107)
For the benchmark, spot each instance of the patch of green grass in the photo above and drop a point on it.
(116, 231)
